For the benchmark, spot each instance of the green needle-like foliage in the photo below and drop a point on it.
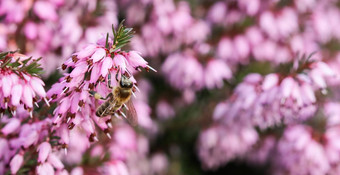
(121, 37)
(29, 65)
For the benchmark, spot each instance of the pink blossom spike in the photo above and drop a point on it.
(45, 10)
(7, 85)
(106, 65)
(80, 69)
(65, 104)
(287, 86)
(87, 51)
(27, 96)
(44, 150)
(270, 81)
(16, 163)
(135, 60)
(45, 169)
(11, 126)
(16, 94)
(98, 55)
(95, 73)
(55, 161)
(64, 134)
(308, 92)
(77, 171)
(31, 138)
(31, 30)
(120, 62)
(37, 86)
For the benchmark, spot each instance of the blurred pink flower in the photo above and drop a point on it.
(183, 71)
(16, 163)
(219, 144)
(298, 153)
(216, 71)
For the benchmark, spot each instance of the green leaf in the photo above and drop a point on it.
(107, 41)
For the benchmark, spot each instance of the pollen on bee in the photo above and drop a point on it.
(97, 96)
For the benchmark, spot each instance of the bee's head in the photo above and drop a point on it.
(125, 82)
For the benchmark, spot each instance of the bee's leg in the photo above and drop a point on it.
(117, 75)
(98, 96)
(109, 80)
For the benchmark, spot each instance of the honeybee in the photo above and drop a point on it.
(120, 96)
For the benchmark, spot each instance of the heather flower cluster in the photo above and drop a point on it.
(20, 85)
(242, 85)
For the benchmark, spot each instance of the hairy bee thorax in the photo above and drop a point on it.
(123, 94)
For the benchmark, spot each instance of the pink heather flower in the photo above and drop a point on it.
(220, 144)
(144, 115)
(55, 161)
(254, 36)
(30, 134)
(242, 49)
(216, 71)
(4, 150)
(266, 101)
(77, 171)
(16, 163)
(31, 30)
(217, 12)
(76, 107)
(262, 152)
(251, 7)
(11, 126)
(44, 150)
(45, 169)
(332, 111)
(125, 137)
(114, 167)
(18, 87)
(298, 153)
(304, 5)
(45, 10)
(8, 9)
(159, 163)
(164, 110)
(225, 50)
(183, 71)
(268, 24)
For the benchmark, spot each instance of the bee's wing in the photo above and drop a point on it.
(131, 113)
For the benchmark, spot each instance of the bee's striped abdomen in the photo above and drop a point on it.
(102, 108)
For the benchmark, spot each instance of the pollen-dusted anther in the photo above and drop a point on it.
(68, 79)
(13, 108)
(107, 132)
(34, 99)
(65, 89)
(63, 66)
(81, 103)
(74, 58)
(89, 62)
(54, 96)
(108, 123)
(91, 86)
(71, 126)
(101, 78)
(68, 94)
(93, 137)
(6, 100)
